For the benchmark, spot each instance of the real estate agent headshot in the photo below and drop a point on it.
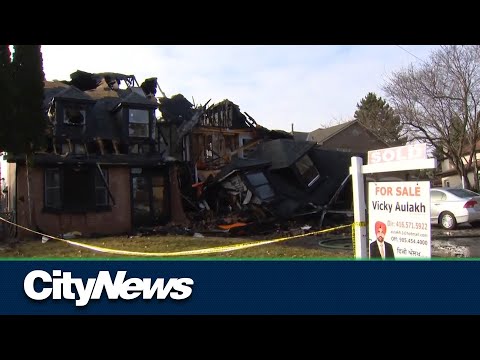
(380, 248)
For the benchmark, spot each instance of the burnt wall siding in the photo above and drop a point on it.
(117, 126)
(115, 221)
(355, 138)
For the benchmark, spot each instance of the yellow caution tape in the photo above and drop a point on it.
(356, 223)
(178, 253)
(353, 237)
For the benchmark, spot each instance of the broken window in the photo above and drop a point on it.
(139, 149)
(65, 149)
(79, 149)
(74, 114)
(209, 148)
(307, 170)
(245, 150)
(138, 123)
(75, 189)
(261, 185)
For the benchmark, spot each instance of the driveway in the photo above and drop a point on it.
(464, 242)
(461, 242)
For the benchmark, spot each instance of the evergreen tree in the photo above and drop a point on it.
(5, 98)
(28, 78)
(374, 113)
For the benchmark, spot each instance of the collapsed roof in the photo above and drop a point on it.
(277, 159)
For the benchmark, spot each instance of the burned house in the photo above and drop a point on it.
(103, 169)
(119, 158)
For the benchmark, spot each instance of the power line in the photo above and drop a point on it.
(415, 56)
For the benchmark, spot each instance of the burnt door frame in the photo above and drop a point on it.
(147, 174)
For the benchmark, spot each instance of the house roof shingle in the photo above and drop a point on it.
(73, 93)
(323, 134)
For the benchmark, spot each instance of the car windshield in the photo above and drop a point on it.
(463, 193)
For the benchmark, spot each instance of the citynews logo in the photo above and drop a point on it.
(60, 285)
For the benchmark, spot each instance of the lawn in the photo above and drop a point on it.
(168, 247)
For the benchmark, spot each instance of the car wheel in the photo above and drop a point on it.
(447, 220)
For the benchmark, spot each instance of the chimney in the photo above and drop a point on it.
(292, 128)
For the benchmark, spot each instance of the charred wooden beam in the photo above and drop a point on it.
(69, 142)
(115, 147)
(101, 146)
(253, 122)
(333, 199)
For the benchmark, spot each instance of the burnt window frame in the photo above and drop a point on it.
(58, 117)
(309, 184)
(69, 105)
(148, 175)
(149, 112)
(100, 186)
(139, 148)
(254, 188)
(94, 181)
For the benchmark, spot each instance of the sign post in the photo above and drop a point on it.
(359, 217)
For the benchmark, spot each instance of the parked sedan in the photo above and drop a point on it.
(450, 207)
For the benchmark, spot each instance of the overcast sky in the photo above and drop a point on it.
(310, 86)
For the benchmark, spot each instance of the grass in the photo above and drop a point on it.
(305, 247)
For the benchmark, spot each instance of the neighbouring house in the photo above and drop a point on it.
(102, 171)
(300, 136)
(448, 176)
(350, 136)
(354, 137)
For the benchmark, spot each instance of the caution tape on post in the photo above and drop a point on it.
(360, 224)
(218, 249)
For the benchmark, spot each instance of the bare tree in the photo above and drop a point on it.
(438, 102)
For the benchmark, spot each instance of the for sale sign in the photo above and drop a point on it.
(399, 220)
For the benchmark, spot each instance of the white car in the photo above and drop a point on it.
(451, 206)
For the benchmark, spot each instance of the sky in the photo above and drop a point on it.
(309, 86)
